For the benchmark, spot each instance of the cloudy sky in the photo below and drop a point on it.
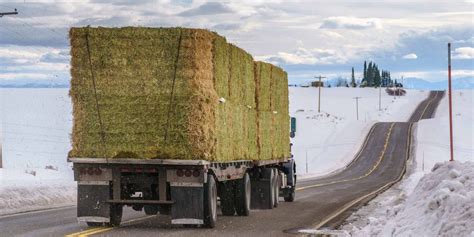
(307, 38)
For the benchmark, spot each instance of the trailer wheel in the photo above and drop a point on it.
(95, 224)
(243, 196)
(210, 202)
(291, 196)
(270, 175)
(276, 187)
(227, 198)
(115, 215)
(150, 209)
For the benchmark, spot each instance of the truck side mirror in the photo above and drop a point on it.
(292, 127)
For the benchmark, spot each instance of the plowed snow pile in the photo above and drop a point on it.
(442, 204)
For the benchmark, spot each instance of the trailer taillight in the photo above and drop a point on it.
(188, 173)
(90, 171)
(180, 172)
(98, 171)
(196, 173)
(82, 170)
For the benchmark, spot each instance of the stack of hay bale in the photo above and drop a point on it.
(174, 93)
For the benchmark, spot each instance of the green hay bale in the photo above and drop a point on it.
(157, 92)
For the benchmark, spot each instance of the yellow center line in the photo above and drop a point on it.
(426, 107)
(387, 138)
(97, 230)
(84, 232)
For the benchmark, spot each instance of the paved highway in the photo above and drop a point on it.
(323, 202)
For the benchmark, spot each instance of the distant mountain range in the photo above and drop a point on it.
(458, 83)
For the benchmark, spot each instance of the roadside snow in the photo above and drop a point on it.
(442, 204)
(327, 141)
(446, 194)
(35, 139)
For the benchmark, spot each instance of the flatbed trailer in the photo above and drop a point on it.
(187, 190)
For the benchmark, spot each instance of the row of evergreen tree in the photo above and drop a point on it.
(373, 77)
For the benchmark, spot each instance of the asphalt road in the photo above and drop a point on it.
(322, 202)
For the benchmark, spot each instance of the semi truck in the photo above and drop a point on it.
(187, 190)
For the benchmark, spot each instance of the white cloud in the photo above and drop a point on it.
(18, 53)
(354, 23)
(210, 8)
(410, 56)
(463, 53)
(11, 76)
(305, 56)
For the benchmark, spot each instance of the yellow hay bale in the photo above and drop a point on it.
(170, 93)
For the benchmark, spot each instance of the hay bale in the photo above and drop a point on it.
(272, 111)
(154, 93)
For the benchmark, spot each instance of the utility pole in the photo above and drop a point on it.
(380, 97)
(9, 13)
(357, 105)
(1, 15)
(306, 160)
(319, 94)
(450, 104)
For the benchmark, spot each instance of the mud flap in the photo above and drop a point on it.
(260, 189)
(188, 207)
(92, 203)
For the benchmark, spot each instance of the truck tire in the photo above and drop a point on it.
(227, 198)
(269, 174)
(276, 188)
(290, 197)
(210, 202)
(243, 196)
(150, 209)
(115, 215)
(95, 224)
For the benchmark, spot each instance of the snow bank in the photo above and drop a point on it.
(442, 204)
(327, 141)
(35, 137)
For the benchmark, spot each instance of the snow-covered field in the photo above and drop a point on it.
(35, 139)
(327, 141)
(426, 202)
(36, 124)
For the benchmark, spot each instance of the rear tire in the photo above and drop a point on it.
(243, 196)
(291, 196)
(227, 198)
(115, 215)
(276, 188)
(150, 210)
(95, 224)
(270, 175)
(210, 202)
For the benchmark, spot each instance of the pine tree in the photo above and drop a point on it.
(353, 82)
(370, 75)
(377, 78)
(365, 72)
